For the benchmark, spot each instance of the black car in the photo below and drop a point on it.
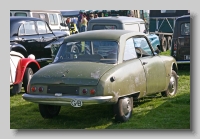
(30, 35)
(180, 48)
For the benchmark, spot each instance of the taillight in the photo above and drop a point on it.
(84, 91)
(41, 89)
(92, 91)
(33, 88)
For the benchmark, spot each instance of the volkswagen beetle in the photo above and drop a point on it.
(102, 67)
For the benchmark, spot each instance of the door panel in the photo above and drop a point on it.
(155, 73)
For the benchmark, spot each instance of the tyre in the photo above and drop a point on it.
(16, 89)
(164, 44)
(123, 109)
(27, 76)
(172, 87)
(49, 111)
(169, 43)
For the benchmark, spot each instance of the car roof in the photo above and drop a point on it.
(120, 19)
(22, 18)
(100, 35)
(183, 18)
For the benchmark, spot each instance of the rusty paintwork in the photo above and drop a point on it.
(145, 75)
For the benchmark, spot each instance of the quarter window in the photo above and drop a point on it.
(143, 44)
(129, 52)
(53, 19)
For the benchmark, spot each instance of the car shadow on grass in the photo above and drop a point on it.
(173, 114)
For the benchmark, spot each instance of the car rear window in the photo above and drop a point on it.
(101, 27)
(185, 29)
(20, 14)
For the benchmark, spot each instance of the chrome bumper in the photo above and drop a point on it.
(66, 99)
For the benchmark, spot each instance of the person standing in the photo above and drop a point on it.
(79, 21)
(84, 23)
(96, 16)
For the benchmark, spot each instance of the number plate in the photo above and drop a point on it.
(76, 103)
(186, 57)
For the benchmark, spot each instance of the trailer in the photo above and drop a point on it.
(161, 23)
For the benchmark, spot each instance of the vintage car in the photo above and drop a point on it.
(21, 71)
(30, 35)
(124, 23)
(180, 48)
(102, 67)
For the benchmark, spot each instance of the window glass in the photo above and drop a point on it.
(20, 14)
(133, 27)
(21, 30)
(10, 14)
(60, 18)
(168, 11)
(51, 19)
(30, 28)
(100, 27)
(143, 44)
(42, 16)
(92, 51)
(129, 51)
(185, 29)
(55, 19)
(41, 27)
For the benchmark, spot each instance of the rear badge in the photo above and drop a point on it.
(58, 94)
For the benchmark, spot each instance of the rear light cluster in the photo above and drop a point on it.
(175, 48)
(92, 91)
(34, 89)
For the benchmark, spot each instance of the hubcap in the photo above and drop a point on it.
(172, 85)
(126, 106)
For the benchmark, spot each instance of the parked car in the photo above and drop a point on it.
(21, 71)
(53, 17)
(30, 36)
(102, 67)
(181, 40)
(124, 23)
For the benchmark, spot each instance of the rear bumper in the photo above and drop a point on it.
(66, 99)
(183, 62)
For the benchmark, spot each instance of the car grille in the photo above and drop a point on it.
(71, 90)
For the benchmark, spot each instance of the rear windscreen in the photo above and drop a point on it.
(101, 27)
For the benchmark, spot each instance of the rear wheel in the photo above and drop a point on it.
(16, 89)
(172, 87)
(49, 111)
(27, 76)
(169, 43)
(123, 109)
(164, 44)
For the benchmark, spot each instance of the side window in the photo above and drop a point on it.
(10, 14)
(143, 44)
(53, 19)
(185, 29)
(42, 16)
(129, 51)
(133, 27)
(60, 18)
(30, 28)
(42, 27)
(21, 30)
(20, 14)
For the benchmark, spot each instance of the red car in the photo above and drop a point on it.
(21, 71)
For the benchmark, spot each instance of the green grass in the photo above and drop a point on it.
(153, 112)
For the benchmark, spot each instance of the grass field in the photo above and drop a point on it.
(153, 112)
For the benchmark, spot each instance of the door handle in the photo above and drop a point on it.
(144, 63)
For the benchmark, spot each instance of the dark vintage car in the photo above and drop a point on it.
(181, 40)
(30, 35)
(102, 67)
